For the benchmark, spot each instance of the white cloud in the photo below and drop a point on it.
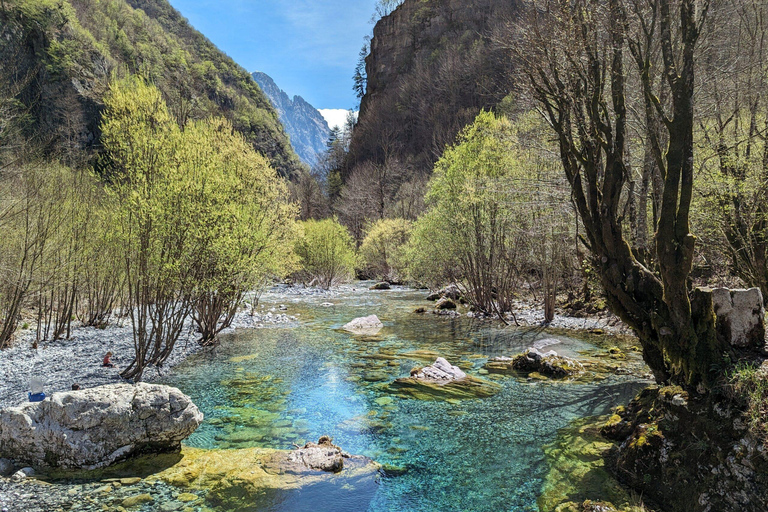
(335, 116)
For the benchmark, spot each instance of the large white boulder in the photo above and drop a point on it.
(364, 325)
(95, 427)
(740, 316)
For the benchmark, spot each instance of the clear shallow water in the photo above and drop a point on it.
(279, 386)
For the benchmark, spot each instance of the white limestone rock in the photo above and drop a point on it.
(95, 427)
(440, 372)
(364, 325)
(740, 316)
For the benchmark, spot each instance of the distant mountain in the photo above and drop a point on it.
(304, 124)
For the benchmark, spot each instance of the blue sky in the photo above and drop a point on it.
(309, 47)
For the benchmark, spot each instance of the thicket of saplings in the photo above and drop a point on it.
(177, 226)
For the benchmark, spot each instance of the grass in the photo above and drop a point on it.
(748, 385)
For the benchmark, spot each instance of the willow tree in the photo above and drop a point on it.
(576, 60)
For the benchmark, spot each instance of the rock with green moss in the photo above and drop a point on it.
(578, 479)
(442, 380)
(532, 361)
(693, 454)
(257, 478)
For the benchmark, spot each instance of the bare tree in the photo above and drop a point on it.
(575, 63)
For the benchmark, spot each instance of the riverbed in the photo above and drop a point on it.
(278, 387)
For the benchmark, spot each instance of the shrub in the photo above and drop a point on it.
(382, 251)
(326, 253)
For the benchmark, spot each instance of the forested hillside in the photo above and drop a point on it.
(58, 58)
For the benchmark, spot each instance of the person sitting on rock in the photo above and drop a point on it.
(107, 363)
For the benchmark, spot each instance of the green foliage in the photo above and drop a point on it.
(383, 249)
(495, 213)
(202, 218)
(748, 386)
(326, 252)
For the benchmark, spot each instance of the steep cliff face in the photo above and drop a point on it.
(58, 57)
(305, 125)
(433, 65)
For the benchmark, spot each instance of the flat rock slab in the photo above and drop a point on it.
(368, 325)
(441, 380)
(253, 478)
(95, 427)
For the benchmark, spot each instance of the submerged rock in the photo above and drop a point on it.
(322, 456)
(256, 478)
(364, 325)
(532, 361)
(441, 380)
(95, 427)
(577, 473)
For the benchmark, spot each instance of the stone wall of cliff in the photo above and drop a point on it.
(433, 65)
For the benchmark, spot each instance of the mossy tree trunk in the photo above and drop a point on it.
(578, 76)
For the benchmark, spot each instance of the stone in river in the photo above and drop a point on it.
(442, 380)
(364, 325)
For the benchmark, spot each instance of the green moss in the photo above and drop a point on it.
(577, 476)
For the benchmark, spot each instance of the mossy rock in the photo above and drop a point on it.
(578, 477)
(533, 362)
(466, 388)
(253, 479)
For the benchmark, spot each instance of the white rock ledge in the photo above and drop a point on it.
(96, 427)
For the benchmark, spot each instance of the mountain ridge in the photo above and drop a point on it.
(307, 128)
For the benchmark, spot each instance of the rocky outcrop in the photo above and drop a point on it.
(689, 454)
(381, 286)
(366, 325)
(441, 380)
(740, 317)
(304, 124)
(548, 364)
(95, 427)
(420, 44)
(58, 59)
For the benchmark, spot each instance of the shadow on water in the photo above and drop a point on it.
(141, 466)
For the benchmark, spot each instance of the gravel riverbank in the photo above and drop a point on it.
(78, 359)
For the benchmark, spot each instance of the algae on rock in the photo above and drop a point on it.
(578, 477)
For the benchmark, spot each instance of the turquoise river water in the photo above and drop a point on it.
(276, 387)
